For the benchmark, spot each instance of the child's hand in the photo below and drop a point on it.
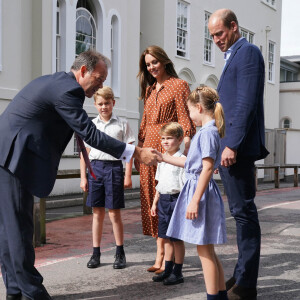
(192, 210)
(127, 183)
(84, 185)
(159, 156)
(153, 210)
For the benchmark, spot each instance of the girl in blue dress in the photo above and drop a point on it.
(199, 216)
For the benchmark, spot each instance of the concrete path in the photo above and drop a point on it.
(62, 261)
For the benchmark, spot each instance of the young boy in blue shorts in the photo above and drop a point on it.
(170, 182)
(107, 191)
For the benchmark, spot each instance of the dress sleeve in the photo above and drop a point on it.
(181, 96)
(142, 131)
(208, 144)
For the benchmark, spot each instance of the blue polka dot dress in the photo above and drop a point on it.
(209, 227)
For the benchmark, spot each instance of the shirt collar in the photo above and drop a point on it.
(209, 123)
(230, 50)
(113, 117)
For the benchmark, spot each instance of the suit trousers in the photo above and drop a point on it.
(16, 233)
(240, 188)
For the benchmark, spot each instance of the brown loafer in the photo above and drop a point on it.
(159, 271)
(152, 269)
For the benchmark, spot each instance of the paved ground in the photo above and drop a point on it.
(62, 261)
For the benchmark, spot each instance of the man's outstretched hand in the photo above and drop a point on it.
(147, 156)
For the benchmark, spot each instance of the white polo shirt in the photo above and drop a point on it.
(117, 128)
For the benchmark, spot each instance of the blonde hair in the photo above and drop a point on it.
(172, 129)
(105, 92)
(209, 99)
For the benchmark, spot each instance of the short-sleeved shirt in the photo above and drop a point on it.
(170, 178)
(117, 128)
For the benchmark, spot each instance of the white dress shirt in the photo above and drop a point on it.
(119, 129)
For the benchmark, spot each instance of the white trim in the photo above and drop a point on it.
(1, 22)
(266, 2)
(53, 35)
(212, 62)
(273, 62)
(7, 93)
(112, 13)
(188, 29)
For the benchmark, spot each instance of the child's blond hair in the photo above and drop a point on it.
(172, 129)
(105, 92)
(209, 99)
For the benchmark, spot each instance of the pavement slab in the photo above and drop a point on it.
(62, 261)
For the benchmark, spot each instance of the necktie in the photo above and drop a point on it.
(85, 155)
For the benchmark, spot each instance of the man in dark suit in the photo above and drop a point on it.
(35, 129)
(241, 93)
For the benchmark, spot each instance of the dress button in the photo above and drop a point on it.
(124, 157)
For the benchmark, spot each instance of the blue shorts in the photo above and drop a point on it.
(165, 207)
(108, 190)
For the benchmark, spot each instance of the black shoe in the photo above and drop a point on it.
(120, 261)
(160, 277)
(13, 296)
(94, 262)
(238, 292)
(230, 283)
(173, 279)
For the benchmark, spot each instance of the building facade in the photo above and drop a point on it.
(42, 37)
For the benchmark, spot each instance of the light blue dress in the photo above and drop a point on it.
(209, 227)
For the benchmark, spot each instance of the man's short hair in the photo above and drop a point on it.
(89, 59)
(228, 16)
(106, 92)
(172, 129)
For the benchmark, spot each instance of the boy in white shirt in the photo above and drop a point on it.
(170, 182)
(107, 191)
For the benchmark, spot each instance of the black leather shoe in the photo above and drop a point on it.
(13, 296)
(94, 262)
(120, 261)
(230, 283)
(173, 279)
(238, 292)
(160, 277)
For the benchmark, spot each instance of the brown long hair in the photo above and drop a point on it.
(209, 99)
(144, 76)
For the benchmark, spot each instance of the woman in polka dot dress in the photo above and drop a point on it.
(165, 98)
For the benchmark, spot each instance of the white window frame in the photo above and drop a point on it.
(208, 43)
(115, 52)
(90, 19)
(283, 120)
(248, 35)
(58, 39)
(271, 62)
(185, 52)
(271, 3)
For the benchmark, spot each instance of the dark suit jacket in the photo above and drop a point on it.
(37, 125)
(241, 90)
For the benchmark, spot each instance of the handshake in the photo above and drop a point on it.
(147, 156)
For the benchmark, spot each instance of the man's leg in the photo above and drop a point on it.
(239, 183)
(16, 223)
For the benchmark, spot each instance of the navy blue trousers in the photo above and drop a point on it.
(239, 184)
(16, 233)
